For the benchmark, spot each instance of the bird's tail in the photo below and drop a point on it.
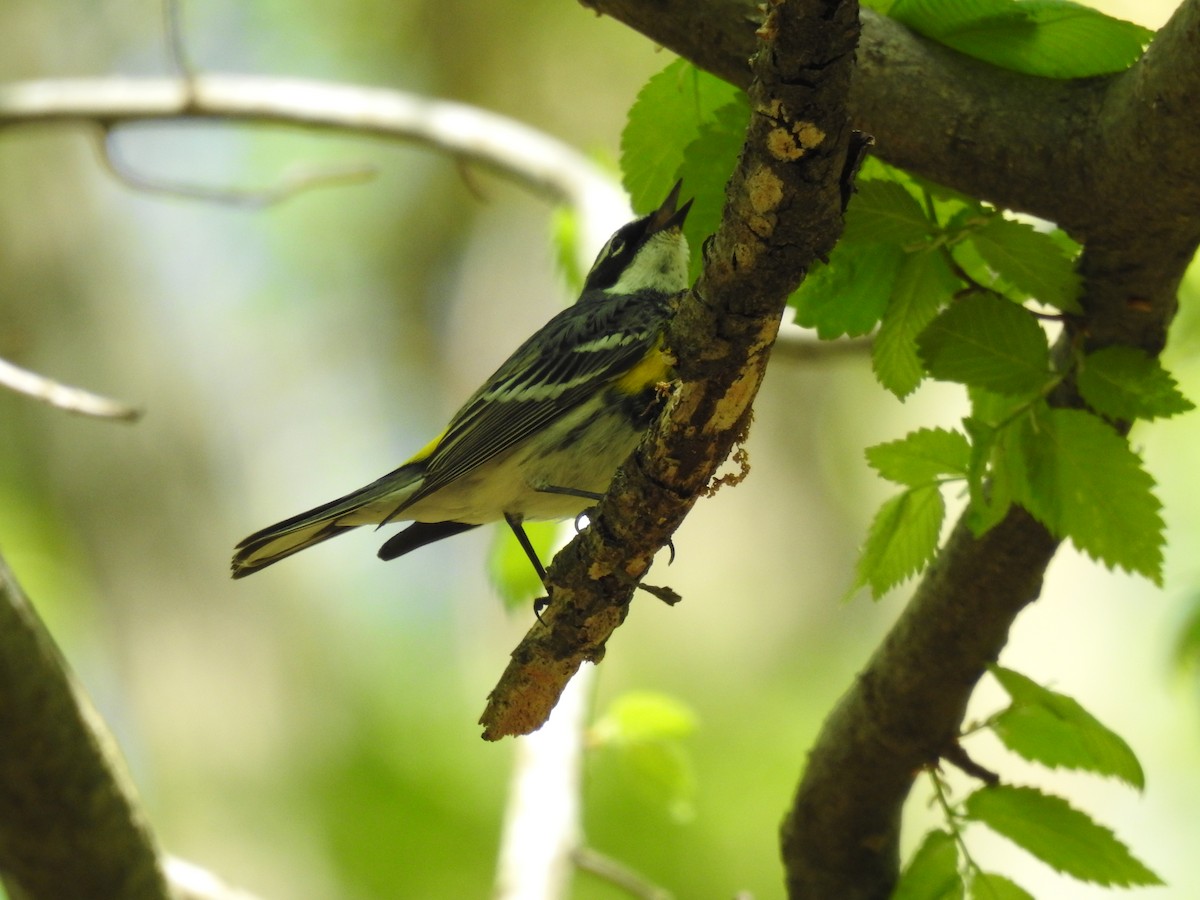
(370, 504)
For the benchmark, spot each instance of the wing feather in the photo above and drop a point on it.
(570, 353)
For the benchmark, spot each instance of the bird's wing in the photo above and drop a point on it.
(576, 354)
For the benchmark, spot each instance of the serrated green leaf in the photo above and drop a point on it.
(988, 342)
(990, 487)
(1064, 838)
(902, 538)
(1127, 383)
(1082, 480)
(921, 456)
(708, 161)
(509, 569)
(932, 873)
(1050, 728)
(666, 117)
(883, 212)
(990, 886)
(848, 295)
(644, 716)
(923, 284)
(1030, 260)
(1052, 38)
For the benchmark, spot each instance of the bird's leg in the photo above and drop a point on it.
(514, 522)
(665, 594)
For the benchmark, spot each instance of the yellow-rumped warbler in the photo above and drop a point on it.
(545, 434)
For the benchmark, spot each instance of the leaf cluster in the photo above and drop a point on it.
(953, 288)
(1052, 729)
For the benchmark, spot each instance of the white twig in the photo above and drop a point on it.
(491, 141)
(190, 882)
(72, 399)
(542, 828)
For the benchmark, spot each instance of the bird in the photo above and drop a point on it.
(542, 438)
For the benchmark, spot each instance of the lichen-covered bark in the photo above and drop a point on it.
(783, 212)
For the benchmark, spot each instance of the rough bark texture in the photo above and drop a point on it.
(783, 211)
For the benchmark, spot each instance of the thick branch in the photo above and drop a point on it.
(70, 825)
(783, 211)
(1109, 159)
(841, 836)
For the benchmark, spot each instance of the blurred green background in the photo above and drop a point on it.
(310, 732)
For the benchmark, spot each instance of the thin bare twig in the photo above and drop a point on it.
(63, 396)
(618, 874)
(799, 345)
(177, 51)
(297, 180)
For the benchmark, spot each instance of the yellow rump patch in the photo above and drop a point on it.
(427, 451)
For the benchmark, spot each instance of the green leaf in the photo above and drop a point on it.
(638, 716)
(1029, 259)
(1187, 643)
(902, 538)
(708, 161)
(923, 284)
(990, 886)
(932, 873)
(921, 457)
(643, 732)
(986, 341)
(883, 212)
(667, 116)
(1127, 383)
(848, 295)
(1064, 838)
(1082, 480)
(1053, 38)
(990, 488)
(509, 568)
(1051, 728)
(564, 236)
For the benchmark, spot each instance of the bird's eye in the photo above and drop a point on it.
(615, 246)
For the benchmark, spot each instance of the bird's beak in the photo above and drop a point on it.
(667, 216)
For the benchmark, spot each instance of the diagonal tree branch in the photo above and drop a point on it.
(841, 836)
(70, 825)
(783, 211)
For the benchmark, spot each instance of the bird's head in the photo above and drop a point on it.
(648, 254)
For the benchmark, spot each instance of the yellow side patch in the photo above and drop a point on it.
(427, 451)
(655, 367)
